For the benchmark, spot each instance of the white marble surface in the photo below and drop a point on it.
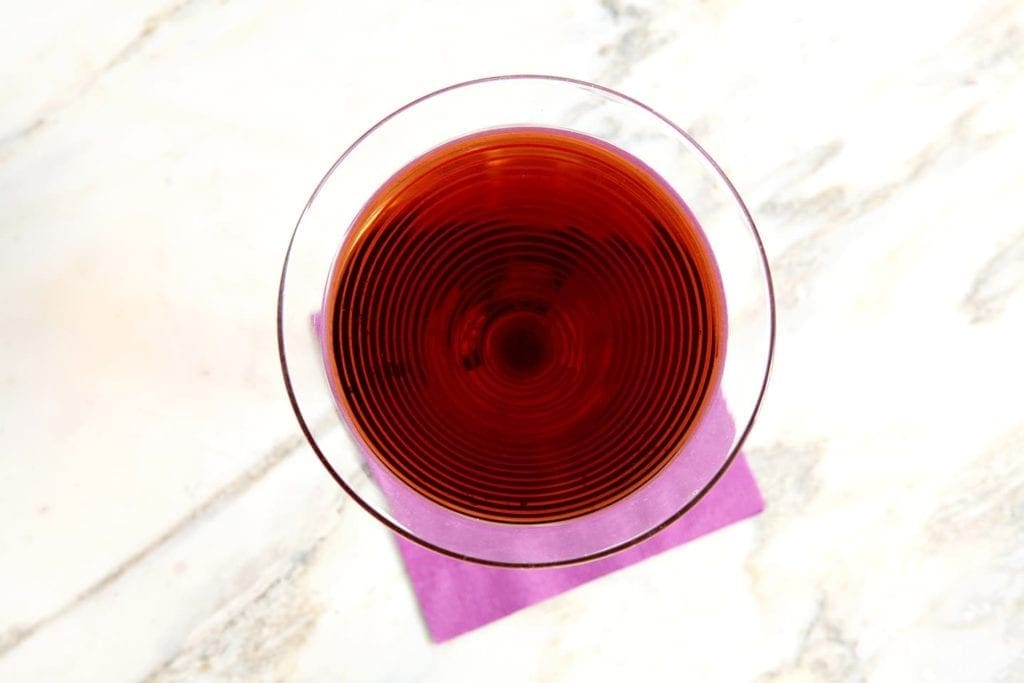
(164, 521)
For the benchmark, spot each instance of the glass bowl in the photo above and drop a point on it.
(617, 121)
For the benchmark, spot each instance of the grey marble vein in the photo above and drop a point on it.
(235, 488)
(996, 281)
(827, 652)
(258, 638)
(638, 37)
(149, 27)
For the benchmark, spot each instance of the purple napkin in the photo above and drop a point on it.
(456, 596)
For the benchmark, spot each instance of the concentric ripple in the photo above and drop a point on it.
(524, 325)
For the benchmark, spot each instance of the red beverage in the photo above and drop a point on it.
(524, 325)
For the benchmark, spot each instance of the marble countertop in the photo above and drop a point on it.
(163, 519)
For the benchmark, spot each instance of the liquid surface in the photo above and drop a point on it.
(524, 325)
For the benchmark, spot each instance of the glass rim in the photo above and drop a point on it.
(743, 430)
